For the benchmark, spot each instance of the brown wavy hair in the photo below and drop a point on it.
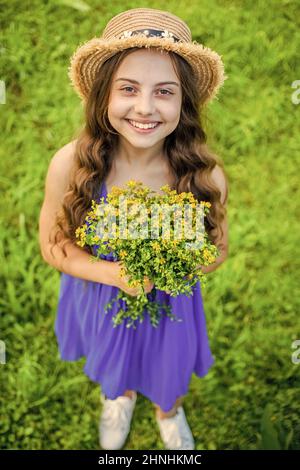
(189, 157)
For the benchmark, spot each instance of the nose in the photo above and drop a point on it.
(144, 104)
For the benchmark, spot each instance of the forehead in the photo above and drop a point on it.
(149, 63)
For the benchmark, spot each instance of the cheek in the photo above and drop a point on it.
(117, 107)
(114, 109)
(173, 114)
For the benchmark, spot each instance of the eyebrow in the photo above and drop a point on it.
(137, 83)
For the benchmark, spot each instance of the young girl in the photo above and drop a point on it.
(143, 85)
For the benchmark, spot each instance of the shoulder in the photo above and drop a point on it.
(59, 169)
(62, 161)
(64, 157)
(220, 179)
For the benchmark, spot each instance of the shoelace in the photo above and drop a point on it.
(173, 435)
(115, 414)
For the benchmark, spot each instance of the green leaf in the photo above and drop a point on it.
(268, 432)
(76, 4)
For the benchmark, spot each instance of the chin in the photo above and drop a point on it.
(141, 145)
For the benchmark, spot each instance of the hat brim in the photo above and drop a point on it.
(88, 58)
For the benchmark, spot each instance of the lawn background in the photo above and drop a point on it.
(250, 398)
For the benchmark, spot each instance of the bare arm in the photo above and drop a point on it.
(78, 262)
(222, 243)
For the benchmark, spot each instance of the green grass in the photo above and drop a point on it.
(250, 398)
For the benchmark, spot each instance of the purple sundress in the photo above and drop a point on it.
(157, 362)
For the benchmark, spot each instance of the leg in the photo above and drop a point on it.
(128, 393)
(162, 414)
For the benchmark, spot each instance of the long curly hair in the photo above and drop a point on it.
(188, 155)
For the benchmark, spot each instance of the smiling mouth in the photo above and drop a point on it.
(143, 130)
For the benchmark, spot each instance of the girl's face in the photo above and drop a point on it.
(139, 93)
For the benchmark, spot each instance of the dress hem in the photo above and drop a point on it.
(150, 397)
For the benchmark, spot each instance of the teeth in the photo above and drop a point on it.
(143, 126)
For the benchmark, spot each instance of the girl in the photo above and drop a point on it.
(143, 85)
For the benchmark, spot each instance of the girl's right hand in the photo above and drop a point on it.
(122, 282)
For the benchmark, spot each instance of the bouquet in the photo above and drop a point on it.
(164, 256)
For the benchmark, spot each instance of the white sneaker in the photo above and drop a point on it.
(115, 421)
(175, 431)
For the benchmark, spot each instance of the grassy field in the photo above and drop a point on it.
(250, 398)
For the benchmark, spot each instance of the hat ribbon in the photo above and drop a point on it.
(149, 33)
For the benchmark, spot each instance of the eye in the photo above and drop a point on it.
(126, 87)
(169, 92)
(161, 89)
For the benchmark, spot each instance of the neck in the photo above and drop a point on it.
(138, 157)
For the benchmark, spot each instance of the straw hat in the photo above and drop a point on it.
(145, 27)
